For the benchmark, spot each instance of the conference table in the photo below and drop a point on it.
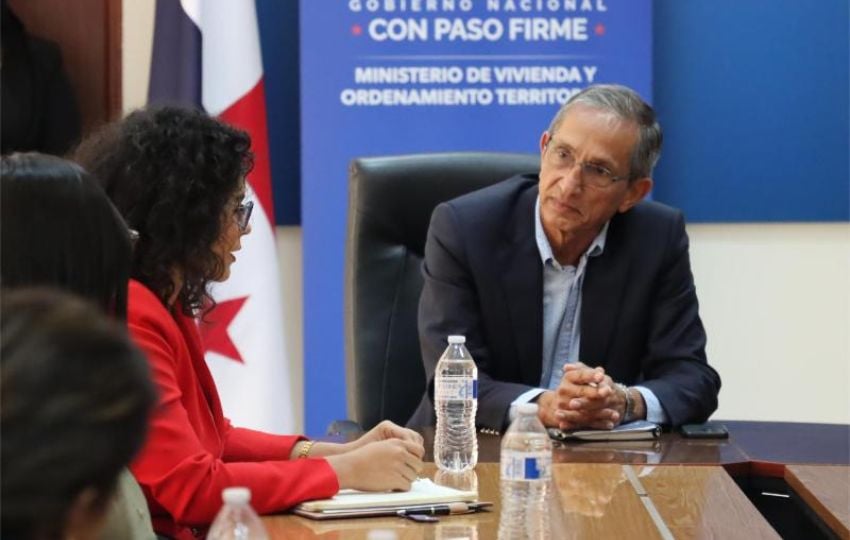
(767, 480)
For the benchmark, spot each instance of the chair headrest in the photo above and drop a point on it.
(397, 194)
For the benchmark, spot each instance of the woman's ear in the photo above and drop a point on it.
(86, 515)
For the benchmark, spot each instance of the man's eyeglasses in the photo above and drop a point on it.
(591, 174)
(243, 215)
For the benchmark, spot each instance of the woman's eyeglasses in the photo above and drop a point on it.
(243, 215)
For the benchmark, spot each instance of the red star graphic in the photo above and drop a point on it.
(599, 29)
(214, 327)
(356, 29)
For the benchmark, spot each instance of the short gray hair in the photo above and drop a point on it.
(626, 104)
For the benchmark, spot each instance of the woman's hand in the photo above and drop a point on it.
(387, 430)
(387, 457)
(389, 464)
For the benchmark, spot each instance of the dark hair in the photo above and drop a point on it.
(171, 172)
(75, 396)
(59, 228)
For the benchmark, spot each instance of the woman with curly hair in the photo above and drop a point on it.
(178, 178)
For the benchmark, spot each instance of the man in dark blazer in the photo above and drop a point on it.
(572, 291)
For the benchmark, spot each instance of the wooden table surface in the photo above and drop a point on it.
(826, 490)
(586, 501)
(674, 486)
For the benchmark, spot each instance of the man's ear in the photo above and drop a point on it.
(637, 190)
(544, 140)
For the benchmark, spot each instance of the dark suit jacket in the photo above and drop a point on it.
(639, 316)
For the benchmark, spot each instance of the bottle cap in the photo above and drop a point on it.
(457, 339)
(236, 495)
(527, 408)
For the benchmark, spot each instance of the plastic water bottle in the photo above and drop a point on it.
(237, 520)
(461, 481)
(456, 401)
(526, 475)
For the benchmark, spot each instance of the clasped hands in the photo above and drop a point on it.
(586, 398)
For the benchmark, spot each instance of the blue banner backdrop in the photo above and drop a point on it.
(382, 77)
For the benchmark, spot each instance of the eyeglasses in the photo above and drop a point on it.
(591, 174)
(243, 215)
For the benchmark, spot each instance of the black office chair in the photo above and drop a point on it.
(389, 209)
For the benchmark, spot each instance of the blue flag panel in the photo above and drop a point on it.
(176, 58)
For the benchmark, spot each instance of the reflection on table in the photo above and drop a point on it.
(636, 489)
(586, 501)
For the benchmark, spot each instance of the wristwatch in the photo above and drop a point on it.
(629, 413)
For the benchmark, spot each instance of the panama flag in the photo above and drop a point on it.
(206, 53)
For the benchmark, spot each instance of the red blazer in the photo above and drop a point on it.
(192, 452)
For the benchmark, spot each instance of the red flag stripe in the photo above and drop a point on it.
(249, 113)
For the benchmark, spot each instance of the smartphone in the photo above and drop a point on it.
(708, 430)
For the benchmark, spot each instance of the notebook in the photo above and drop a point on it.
(633, 431)
(353, 503)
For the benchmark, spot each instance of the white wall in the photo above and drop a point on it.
(775, 299)
(137, 41)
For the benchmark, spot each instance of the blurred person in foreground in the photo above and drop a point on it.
(75, 396)
(58, 229)
(571, 290)
(178, 177)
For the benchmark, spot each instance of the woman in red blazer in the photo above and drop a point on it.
(178, 178)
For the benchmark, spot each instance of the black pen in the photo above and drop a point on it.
(441, 509)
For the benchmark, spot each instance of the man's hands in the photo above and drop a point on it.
(586, 398)
(387, 457)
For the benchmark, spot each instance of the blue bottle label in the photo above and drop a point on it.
(517, 465)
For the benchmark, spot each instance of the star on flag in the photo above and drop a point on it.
(214, 325)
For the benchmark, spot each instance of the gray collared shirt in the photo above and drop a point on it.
(562, 287)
